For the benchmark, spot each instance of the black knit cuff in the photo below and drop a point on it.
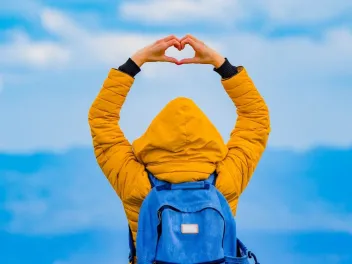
(226, 70)
(130, 68)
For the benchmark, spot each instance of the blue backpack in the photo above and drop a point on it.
(187, 223)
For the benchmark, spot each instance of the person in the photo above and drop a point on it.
(181, 144)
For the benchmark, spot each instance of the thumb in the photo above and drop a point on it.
(170, 59)
(189, 60)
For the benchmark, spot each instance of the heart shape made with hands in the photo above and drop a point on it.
(196, 50)
(162, 51)
(185, 52)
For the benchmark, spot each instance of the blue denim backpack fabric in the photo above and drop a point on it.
(187, 223)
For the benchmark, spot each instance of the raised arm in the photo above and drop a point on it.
(113, 151)
(249, 137)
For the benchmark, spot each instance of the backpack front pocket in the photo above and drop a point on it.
(190, 237)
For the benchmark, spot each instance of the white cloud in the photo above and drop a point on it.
(179, 11)
(22, 51)
(228, 11)
(299, 11)
(306, 85)
(101, 48)
(299, 77)
(28, 9)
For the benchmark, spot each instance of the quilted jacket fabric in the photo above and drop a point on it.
(181, 144)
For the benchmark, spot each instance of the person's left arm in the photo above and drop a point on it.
(113, 152)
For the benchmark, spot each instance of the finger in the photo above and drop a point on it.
(189, 61)
(191, 37)
(170, 38)
(184, 38)
(170, 59)
(166, 39)
(173, 42)
(178, 46)
(190, 42)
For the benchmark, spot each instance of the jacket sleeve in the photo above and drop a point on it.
(112, 150)
(248, 138)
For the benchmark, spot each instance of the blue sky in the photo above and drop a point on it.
(55, 204)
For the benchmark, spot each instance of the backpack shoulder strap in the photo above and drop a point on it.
(132, 254)
(212, 178)
(155, 181)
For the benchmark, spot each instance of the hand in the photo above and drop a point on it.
(156, 51)
(203, 54)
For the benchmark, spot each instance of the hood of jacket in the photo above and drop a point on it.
(181, 144)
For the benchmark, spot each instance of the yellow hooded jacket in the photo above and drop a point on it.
(181, 144)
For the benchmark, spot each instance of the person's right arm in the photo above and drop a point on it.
(249, 137)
